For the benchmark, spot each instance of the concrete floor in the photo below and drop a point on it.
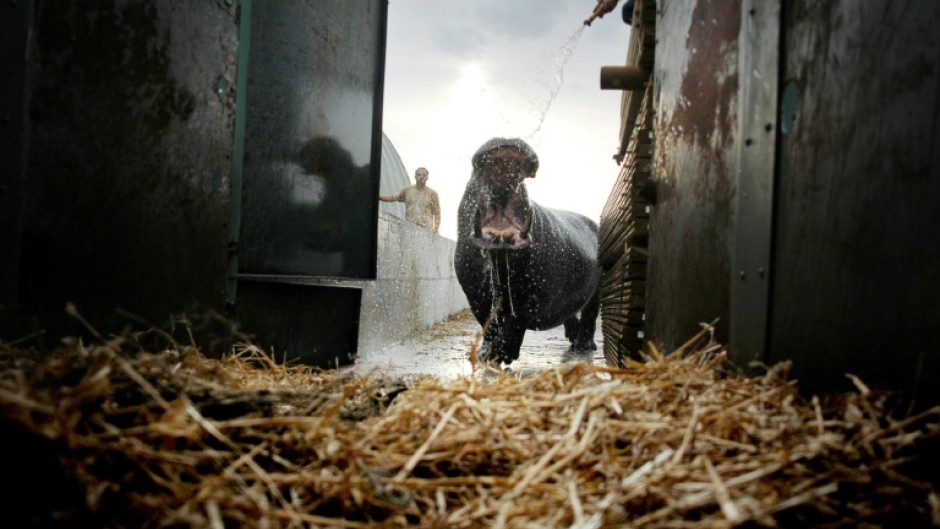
(443, 351)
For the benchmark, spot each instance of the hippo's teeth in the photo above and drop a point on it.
(507, 236)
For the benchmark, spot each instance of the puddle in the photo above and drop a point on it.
(442, 351)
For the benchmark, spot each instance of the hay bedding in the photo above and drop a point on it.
(112, 436)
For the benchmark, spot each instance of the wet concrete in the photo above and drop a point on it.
(443, 350)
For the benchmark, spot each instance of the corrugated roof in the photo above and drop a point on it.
(394, 177)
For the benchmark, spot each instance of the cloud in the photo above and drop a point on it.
(464, 42)
(521, 18)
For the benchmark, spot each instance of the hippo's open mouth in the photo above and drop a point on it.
(503, 215)
(502, 244)
(504, 234)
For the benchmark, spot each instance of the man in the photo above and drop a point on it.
(421, 204)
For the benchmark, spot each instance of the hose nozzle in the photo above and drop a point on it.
(603, 7)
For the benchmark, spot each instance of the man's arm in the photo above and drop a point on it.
(397, 197)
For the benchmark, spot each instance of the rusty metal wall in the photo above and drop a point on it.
(694, 164)
(128, 147)
(796, 170)
(857, 249)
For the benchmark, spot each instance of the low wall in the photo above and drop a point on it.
(415, 286)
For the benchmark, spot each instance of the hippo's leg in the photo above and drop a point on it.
(572, 325)
(584, 339)
(502, 341)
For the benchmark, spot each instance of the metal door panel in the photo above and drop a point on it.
(311, 324)
(313, 139)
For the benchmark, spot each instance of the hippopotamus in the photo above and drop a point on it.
(521, 265)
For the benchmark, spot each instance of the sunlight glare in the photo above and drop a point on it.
(471, 85)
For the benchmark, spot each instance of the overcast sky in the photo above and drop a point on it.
(460, 73)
